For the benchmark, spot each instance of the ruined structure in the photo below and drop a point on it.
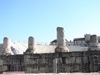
(94, 44)
(57, 62)
(61, 44)
(30, 45)
(6, 46)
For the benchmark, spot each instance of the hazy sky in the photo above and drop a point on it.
(39, 18)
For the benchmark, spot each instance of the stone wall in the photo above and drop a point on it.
(63, 62)
(57, 62)
(87, 61)
(12, 63)
(94, 61)
(39, 63)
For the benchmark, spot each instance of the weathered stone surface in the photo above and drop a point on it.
(35, 63)
(87, 37)
(94, 39)
(60, 36)
(61, 44)
(94, 45)
(6, 46)
(5, 42)
(31, 42)
(58, 62)
(1, 62)
(30, 45)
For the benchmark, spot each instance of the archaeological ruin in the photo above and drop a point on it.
(61, 60)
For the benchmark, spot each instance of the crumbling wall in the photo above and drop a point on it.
(12, 63)
(86, 61)
(72, 62)
(94, 61)
(38, 63)
(56, 62)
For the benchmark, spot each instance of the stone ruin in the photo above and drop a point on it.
(31, 45)
(60, 61)
(61, 44)
(94, 44)
(6, 46)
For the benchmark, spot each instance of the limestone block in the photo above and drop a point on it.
(1, 62)
(72, 60)
(85, 60)
(67, 61)
(4, 68)
(78, 60)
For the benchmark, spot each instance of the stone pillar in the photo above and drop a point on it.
(55, 68)
(94, 45)
(94, 39)
(61, 43)
(6, 46)
(87, 39)
(31, 42)
(60, 36)
(6, 43)
(30, 45)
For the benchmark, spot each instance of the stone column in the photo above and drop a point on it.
(94, 39)
(61, 43)
(87, 37)
(31, 42)
(6, 46)
(94, 45)
(30, 45)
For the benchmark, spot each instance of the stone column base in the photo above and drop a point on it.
(29, 51)
(61, 49)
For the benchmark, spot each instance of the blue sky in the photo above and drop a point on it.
(39, 18)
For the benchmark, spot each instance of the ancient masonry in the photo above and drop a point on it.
(30, 45)
(61, 46)
(6, 46)
(60, 61)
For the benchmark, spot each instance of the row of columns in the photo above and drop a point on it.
(61, 46)
(61, 43)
